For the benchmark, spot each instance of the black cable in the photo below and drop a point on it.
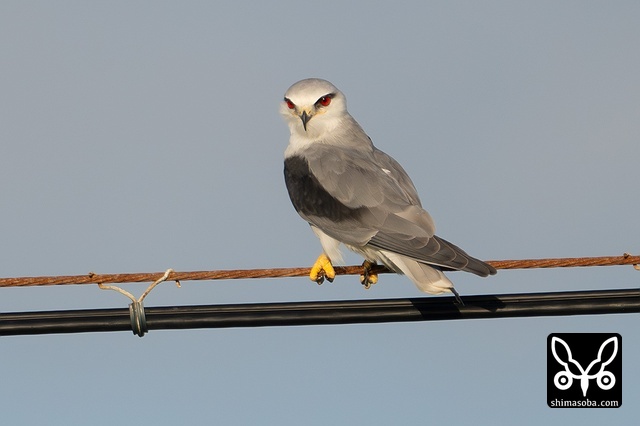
(328, 312)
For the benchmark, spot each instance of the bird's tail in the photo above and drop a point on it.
(426, 278)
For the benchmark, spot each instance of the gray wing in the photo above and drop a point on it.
(363, 197)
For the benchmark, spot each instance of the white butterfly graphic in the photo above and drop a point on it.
(564, 379)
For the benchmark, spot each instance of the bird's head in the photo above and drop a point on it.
(313, 107)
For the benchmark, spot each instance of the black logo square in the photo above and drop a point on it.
(584, 370)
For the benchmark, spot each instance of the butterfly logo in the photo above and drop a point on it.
(573, 370)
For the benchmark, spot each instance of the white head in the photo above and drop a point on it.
(313, 107)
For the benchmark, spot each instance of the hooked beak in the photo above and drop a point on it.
(305, 119)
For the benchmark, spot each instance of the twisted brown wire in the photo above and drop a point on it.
(91, 278)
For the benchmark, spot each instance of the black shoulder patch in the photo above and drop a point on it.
(309, 197)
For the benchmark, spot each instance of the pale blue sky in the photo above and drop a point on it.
(138, 136)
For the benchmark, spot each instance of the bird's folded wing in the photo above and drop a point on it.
(365, 198)
(361, 177)
(433, 251)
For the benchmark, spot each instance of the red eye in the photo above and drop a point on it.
(325, 100)
(290, 104)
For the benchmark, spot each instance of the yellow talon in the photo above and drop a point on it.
(322, 269)
(367, 279)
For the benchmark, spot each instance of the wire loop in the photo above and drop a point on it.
(136, 308)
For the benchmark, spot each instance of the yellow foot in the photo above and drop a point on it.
(322, 269)
(367, 279)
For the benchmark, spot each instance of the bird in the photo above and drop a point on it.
(353, 194)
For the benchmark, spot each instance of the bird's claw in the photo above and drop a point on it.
(368, 278)
(457, 296)
(322, 269)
